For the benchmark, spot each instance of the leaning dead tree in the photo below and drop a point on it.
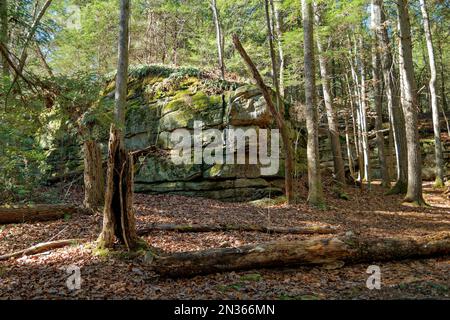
(118, 216)
(346, 248)
(289, 163)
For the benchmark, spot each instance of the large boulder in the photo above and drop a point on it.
(162, 100)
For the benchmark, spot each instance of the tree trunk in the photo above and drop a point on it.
(377, 99)
(363, 115)
(409, 104)
(315, 193)
(41, 247)
(289, 163)
(94, 181)
(278, 31)
(4, 35)
(273, 59)
(396, 117)
(36, 212)
(348, 145)
(357, 121)
(343, 249)
(219, 37)
(118, 216)
(439, 182)
(333, 128)
(182, 228)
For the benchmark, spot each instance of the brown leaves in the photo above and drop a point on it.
(121, 276)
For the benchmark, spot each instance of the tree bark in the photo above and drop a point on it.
(222, 227)
(439, 182)
(94, 181)
(219, 38)
(363, 115)
(4, 35)
(338, 161)
(273, 58)
(377, 99)
(278, 31)
(41, 247)
(118, 216)
(289, 162)
(344, 249)
(37, 212)
(396, 117)
(410, 106)
(358, 129)
(348, 145)
(315, 192)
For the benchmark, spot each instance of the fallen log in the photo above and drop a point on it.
(347, 249)
(41, 247)
(222, 227)
(37, 212)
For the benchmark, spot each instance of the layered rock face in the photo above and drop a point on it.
(161, 101)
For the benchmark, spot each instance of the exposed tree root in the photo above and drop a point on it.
(218, 228)
(345, 248)
(41, 247)
(400, 187)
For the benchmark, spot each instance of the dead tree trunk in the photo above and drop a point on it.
(118, 216)
(41, 247)
(289, 163)
(36, 212)
(94, 181)
(249, 228)
(293, 253)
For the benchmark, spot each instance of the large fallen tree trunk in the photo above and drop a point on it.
(348, 249)
(41, 247)
(37, 212)
(224, 227)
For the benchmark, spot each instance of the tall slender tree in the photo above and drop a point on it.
(118, 215)
(278, 32)
(395, 111)
(4, 35)
(377, 98)
(410, 106)
(315, 194)
(219, 37)
(332, 120)
(439, 182)
(273, 57)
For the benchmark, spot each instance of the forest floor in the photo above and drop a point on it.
(119, 276)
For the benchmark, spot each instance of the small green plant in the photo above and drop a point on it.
(251, 277)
